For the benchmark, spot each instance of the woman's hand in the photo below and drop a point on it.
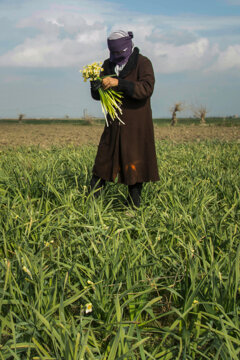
(109, 82)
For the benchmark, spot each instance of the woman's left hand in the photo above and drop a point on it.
(109, 82)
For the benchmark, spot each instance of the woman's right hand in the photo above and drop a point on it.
(109, 82)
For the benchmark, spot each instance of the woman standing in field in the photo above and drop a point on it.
(127, 151)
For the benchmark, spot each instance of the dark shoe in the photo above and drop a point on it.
(134, 197)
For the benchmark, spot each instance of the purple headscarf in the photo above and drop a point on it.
(120, 46)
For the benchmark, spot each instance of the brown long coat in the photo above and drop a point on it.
(128, 151)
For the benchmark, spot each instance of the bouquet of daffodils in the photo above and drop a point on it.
(110, 99)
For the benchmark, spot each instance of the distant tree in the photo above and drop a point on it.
(85, 114)
(88, 118)
(20, 118)
(200, 113)
(174, 109)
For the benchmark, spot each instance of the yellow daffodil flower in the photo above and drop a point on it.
(88, 308)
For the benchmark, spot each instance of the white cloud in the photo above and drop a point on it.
(227, 59)
(88, 45)
(63, 41)
(169, 50)
(169, 58)
(53, 52)
(194, 23)
(73, 35)
(173, 36)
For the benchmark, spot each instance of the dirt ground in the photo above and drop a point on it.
(12, 135)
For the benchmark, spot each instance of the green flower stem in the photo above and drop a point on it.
(110, 103)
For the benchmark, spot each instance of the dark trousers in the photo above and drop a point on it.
(97, 184)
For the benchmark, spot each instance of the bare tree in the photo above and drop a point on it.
(174, 109)
(20, 118)
(89, 119)
(200, 112)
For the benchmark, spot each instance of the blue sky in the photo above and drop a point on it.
(177, 7)
(194, 47)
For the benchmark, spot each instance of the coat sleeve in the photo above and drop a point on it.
(95, 94)
(143, 87)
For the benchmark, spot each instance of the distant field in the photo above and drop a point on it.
(13, 134)
(219, 121)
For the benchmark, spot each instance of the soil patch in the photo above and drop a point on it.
(13, 135)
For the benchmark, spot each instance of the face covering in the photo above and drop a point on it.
(120, 48)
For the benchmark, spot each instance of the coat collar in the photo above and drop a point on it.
(131, 64)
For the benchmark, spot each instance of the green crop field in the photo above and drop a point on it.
(215, 121)
(89, 279)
